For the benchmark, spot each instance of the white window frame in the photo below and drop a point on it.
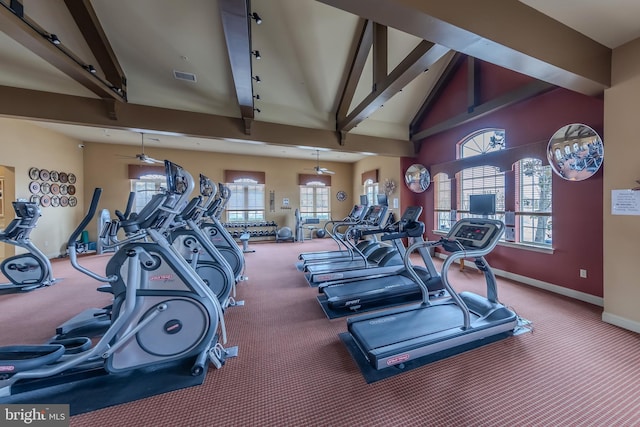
(145, 188)
(241, 207)
(315, 201)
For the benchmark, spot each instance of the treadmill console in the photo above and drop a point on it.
(411, 214)
(475, 233)
(375, 215)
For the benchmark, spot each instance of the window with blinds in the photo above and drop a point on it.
(533, 202)
(442, 203)
(481, 179)
(531, 184)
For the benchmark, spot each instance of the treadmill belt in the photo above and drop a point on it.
(372, 375)
(336, 314)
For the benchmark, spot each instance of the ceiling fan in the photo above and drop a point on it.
(318, 169)
(143, 157)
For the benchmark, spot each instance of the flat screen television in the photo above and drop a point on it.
(364, 200)
(482, 204)
(382, 200)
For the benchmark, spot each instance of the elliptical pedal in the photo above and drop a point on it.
(218, 355)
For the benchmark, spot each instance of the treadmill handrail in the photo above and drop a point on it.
(465, 252)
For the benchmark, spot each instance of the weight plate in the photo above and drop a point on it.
(34, 173)
(35, 199)
(64, 178)
(34, 187)
(72, 178)
(55, 201)
(71, 189)
(45, 201)
(55, 189)
(73, 201)
(45, 187)
(54, 176)
(44, 174)
(63, 189)
(64, 201)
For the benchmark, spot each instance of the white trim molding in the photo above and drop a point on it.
(621, 322)
(581, 296)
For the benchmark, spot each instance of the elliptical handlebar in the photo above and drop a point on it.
(71, 245)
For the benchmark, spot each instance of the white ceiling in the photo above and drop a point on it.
(304, 46)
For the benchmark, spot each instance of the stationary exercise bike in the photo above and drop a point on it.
(165, 319)
(27, 271)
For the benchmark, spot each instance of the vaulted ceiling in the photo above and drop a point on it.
(350, 76)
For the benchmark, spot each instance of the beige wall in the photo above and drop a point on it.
(388, 168)
(621, 170)
(7, 174)
(106, 167)
(23, 146)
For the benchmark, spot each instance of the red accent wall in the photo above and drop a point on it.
(577, 206)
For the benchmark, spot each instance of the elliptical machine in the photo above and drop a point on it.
(27, 271)
(164, 318)
(219, 235)
(198, 249)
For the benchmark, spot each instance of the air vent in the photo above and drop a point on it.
(181, 75)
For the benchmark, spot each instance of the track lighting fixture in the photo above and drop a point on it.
(257, 97)
(256, 18)
(53, 39)
(257, 79)
(257, 109)
(90, 68)
(256, 53)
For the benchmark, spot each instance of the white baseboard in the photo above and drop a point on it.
(622, 322)
(581, 296)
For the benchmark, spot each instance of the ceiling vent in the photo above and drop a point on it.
(181, 75)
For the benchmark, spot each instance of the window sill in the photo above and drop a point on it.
(523, 246)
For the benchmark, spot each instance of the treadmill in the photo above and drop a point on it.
(376, 217)
(356, 291)
(356, 215)
(383, 263)
(393, 337)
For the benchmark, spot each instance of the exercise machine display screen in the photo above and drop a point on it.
(473, 234)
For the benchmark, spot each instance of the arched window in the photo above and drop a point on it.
(528, 182)
(371, 190)
(481, 179)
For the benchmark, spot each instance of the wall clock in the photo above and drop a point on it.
(341, 196)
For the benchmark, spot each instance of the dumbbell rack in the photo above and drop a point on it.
(258, 230)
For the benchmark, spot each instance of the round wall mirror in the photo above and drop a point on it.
(417, 178)
(575, 152)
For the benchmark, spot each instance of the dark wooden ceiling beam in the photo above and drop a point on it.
(510, 98)
(59, 108)
(380, 55)
(363, 43)
(32, 37)
(417, 62)
(89, 25)
(506, 33)
(473, 83)
(237, 33)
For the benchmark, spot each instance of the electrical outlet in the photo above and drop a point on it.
(583, 273)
